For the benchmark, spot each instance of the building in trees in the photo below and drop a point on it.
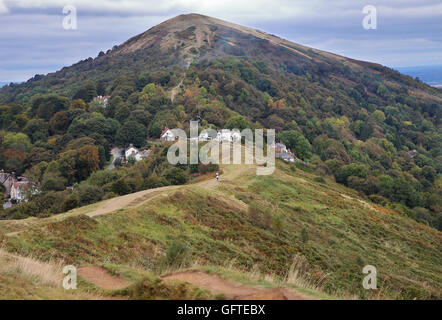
(167, 135)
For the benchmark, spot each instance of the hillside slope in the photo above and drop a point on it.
(371, 128)
(291, 226)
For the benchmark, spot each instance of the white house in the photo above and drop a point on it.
(204, 136)
(103, 100)
(283, 153)
(167, 135)
(236, 136)
(22, 189)
(137, 154)
(225, 135)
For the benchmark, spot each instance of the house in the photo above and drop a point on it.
(236, 136)
(22, 188)
(137, 154)
(204, 136)
(283, 153)
(7, 179)
(167, 135)
(412, 153)
(19, 191)
(7, 205)
(280, 148)
(225, 135)
(103, 100)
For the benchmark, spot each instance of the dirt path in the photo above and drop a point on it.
(233, 290)
(176, 90)
(101, 278)
(128, 201)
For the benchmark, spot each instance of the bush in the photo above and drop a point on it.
(304, 235)
(277, 224)
(89, 194)
(70, 202)
(175, 176)
(319, 179)
(260, 217)
(120, 187)
(378, 199)
(205, 168)
(177, 254)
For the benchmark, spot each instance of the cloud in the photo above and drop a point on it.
(3, 7)
(263, 9)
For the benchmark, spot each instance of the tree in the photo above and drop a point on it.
(70, 202)
(53, 182)
(77, 165)
(101, 88)
(88, 161)
(140, 116)
(17, 141)
(297, 143)
(353, 169)
(379, 116)
(78, 104)
(237, 122)
(121, 112)
(81, 94)
(37, 129)
(90, 90)
(89, 194)
(175, 176)
(44, 106)
(131, 132)
(120, 187)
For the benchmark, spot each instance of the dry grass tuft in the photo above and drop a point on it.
(43, 273)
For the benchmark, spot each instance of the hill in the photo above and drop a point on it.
(288, 229)
(370, 127)
(370, 192)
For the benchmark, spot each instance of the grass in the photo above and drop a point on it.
(287, 229)
(24, 277)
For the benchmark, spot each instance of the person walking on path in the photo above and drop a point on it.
(217, 176)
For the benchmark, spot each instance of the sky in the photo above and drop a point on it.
(34, 41)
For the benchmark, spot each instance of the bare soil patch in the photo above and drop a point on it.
(101, 278)
(233, 290)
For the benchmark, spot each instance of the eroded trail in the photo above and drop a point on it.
(101, 278)
(233, 290)
(128, 201)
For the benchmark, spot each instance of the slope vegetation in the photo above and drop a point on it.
(289, 229)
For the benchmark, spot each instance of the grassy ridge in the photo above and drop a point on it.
(259, 224)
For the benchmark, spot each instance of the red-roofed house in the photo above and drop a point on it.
(167, 135)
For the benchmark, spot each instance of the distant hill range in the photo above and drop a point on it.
(431, 75)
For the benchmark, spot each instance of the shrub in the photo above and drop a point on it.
(203, 168)
(70, 202)
(89, 194)
(304, 235)
(277, 224)
(177, 254)
(319, 179)
(259, 216)
(175, 176)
